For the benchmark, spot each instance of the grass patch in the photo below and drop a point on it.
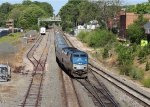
(10, 38)
(146, 82)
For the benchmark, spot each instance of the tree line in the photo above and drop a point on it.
(143, 8)
(77, 12)
(26, 14)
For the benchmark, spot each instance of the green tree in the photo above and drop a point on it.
(29, 16)
(2, 19)
(136, 31)
(87, 11)
(107, 9)
(5, 8)
(83, 11)
(45, 6)
(69, 14)
(16, 12)
(131, 8)
(141, 9)
(27, 2)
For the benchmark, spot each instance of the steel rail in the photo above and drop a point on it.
(43, 68)
(28, 54)
(129, 87)
(105, 89)
(38, 62)
(94, 89)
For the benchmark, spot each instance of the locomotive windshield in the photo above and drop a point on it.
(79, 59)
(75, 55)
(83, 55)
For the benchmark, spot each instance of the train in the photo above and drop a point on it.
(72, 59)
(42, 30)
(4, 31)
(5, 72)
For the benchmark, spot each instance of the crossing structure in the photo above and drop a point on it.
(50, 19)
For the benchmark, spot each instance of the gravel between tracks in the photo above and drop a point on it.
(53, 89)
(12, 92)
(52, 86)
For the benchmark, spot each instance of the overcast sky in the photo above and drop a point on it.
(57, 4)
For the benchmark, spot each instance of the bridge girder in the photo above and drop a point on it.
(51, 19)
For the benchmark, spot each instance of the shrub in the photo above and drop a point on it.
(142, 60)
(144, 51)
(105, 53)
(125, 55)
(97, 38)
(82, 36)
(147, 67)
(11, 34)
(125, 69)
(136, 73)
(141, 54)
(135, 33)
(146, 82)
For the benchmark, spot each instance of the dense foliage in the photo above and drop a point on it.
(143, 8)
(77, 12)
(27, 20)
(26, 14)
(98, 38)
(136, 31)
(125, 54)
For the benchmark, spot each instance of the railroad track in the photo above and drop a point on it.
(141, 97)
(135, 93)
(33, 95)
(70, 95)
(100, 95)
(30, 54)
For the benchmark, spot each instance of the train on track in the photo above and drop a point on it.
(5, 72)
(42, 30)
(75, 61)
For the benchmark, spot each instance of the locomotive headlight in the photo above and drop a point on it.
(80, 67)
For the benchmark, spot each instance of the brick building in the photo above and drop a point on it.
(126, 19)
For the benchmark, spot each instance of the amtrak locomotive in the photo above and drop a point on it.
(74, 60)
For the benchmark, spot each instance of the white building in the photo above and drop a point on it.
(91, 26)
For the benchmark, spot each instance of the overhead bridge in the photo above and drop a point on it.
(51, 19)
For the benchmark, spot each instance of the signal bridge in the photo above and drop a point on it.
(51, 19)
